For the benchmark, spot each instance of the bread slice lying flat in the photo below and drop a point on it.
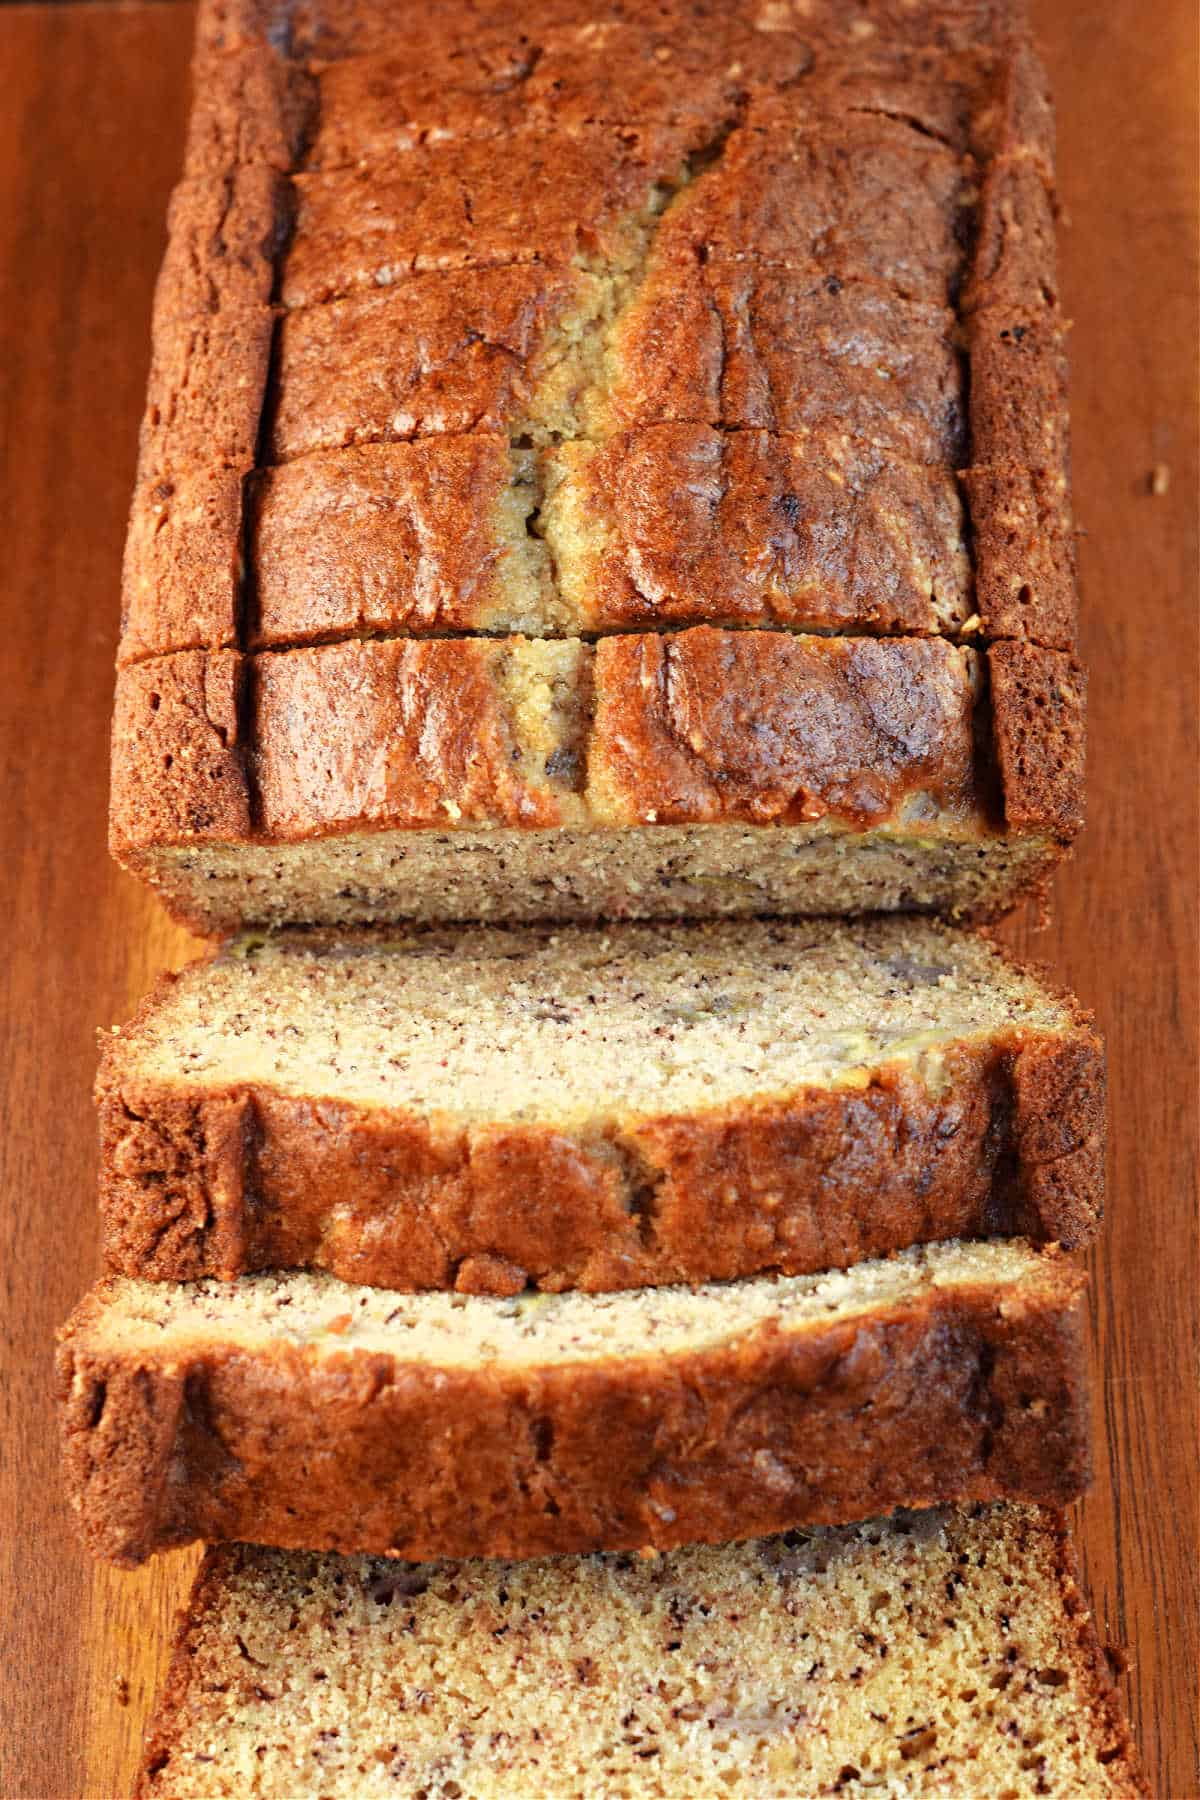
(302, 1412)
(594, 1108)
(945, 1653)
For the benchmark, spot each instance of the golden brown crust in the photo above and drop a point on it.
(865, 198)
(1018, 390)
(249, 105)
(178, 768)
(706, 725)
(213, 327)
(182, 575)
(213, 321)
(404, 733)
(1015, 263)
(621, 71)
(1024, 550)
(733, 343)
(456, 207)
(416, 360)
(971, 1392)
(814, 532)
(223, 1180)
(409, 734)
(378, 537)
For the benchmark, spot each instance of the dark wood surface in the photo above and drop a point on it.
(89, 137)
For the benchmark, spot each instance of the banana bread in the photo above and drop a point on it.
(548, 421)
(299, 1411)
(642, 1105)
(934, 1653)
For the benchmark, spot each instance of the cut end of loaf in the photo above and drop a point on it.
(652, 872)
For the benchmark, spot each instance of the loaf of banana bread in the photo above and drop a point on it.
(608, 461)
(301, 1411)
(927, 1654)
(488, 1108)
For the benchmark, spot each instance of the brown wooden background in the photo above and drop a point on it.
(90, 132)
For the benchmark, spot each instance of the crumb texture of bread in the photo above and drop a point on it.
(926, 1654)
(300, 1411)
(673, 871)
(640, 1105)
(753, 328)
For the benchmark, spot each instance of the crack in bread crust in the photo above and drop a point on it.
(262, 116)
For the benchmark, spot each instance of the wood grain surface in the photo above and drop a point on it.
(90, 133)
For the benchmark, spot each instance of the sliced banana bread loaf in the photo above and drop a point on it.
(594, 1108)
(302, 1412)
(941, 1653)
(524, 392)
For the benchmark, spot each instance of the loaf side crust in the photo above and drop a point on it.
(1038, 703)
(213, 324)
(969, 1393)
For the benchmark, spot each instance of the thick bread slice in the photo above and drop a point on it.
(302, 1412)
(941, 1653)
(594, 1108)
(662, 774)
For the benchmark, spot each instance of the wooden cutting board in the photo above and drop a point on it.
(90, 135)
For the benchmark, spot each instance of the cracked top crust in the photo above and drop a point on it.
(702, 726)
(702, 281)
